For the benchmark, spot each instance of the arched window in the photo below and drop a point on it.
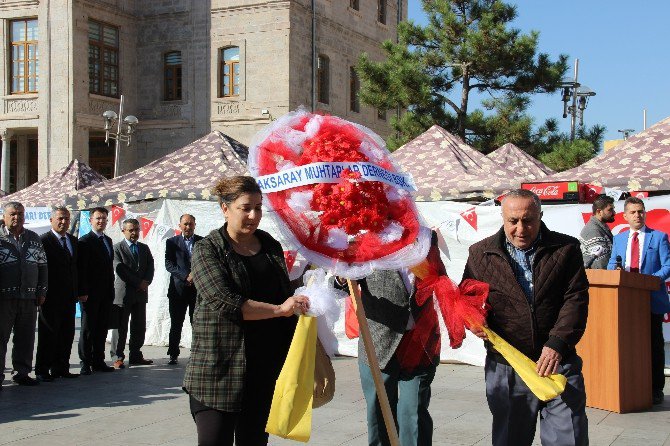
(229, 82)
(172, 75)
(353, 4)
(323, 79)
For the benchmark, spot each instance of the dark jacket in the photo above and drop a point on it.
(216, 369)
(96, 271)
(557, 317)
(130, 273)
(23, 272)
(63, 271)
(178, 264)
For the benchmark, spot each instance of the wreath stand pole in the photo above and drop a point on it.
(373, 362)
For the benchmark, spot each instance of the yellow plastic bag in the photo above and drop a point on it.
(291, 410)
(545, 388)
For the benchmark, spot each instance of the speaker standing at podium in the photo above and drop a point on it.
(645, 250)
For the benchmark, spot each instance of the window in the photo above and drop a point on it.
(24, 56)
(172, 74)
(381, 11)
(354, 86)
(353, 4)
(101, 156)
(323, 79)
(103, 59)
(229, 84)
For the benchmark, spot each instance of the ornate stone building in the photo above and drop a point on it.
(184, 67)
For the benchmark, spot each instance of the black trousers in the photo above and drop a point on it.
(136, 314)
(178, 307)
(219, 428)
(94, 323)
(55, 334)
(657, 353)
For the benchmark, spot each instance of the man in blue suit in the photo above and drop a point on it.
(645, 250)
(181, 293)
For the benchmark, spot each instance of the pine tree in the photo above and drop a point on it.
(468, 45)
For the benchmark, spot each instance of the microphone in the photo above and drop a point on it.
(618, 264)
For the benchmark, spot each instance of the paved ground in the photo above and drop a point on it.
(145, 406)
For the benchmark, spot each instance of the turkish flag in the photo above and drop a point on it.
(146, 226)
(177, 232)
(656, 219)
(470, 216)
(117, 213)
(592, 191)
(289, 257)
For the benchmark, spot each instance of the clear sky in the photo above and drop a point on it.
(623, 51)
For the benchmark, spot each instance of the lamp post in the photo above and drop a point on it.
(579, 95)
(626, 132)
(125, 127)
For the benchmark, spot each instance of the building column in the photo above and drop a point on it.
(6, 137)
(21, 161)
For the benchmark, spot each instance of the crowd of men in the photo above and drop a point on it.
(538, 298)
(43, 277)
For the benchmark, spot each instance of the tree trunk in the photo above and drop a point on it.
(463, 112)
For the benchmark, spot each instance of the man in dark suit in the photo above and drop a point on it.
(56, 324)
(181, 293)
(96, 287)
(134, 266)
(647, 251)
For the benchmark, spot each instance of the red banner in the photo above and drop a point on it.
(146, 226)
(117, 213)
(556, 191)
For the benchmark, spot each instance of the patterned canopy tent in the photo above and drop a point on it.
(520, 162)
(445, 168)
(642, 162)
(188, 173)
(52, 190)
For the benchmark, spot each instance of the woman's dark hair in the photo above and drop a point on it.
(230, 189)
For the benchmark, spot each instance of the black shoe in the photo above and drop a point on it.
(658, 397)
(102, 368)
(67, 375)
(85, 370)
(173, 360)
(44, 377)
(25, 380)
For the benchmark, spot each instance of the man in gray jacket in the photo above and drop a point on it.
(23, 287)
(134, 267)
(596, 237)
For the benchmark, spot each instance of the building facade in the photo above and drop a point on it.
(184, 68)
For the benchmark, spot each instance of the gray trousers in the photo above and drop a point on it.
(20, 316)
(136, 313)
(514, 408)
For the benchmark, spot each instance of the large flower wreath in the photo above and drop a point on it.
(338, 218)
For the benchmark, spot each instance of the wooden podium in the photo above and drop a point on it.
(616, 346)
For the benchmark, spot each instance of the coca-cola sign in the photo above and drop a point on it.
(554, 191)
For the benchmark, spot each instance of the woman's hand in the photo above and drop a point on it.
(294, 305)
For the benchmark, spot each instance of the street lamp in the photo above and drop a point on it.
(626, 132)
(579, 95)
(125, 127)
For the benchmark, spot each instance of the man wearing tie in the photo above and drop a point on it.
(56, 326)
(96, 288)
(647, 251)
(181, 293)
(134, 266)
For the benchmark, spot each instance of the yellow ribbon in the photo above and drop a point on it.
(291, 410)
(545, 388)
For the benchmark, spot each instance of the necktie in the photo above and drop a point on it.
(102, 240)
(189, 245)
(635, 253)
(64, 243)
(133, 250)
